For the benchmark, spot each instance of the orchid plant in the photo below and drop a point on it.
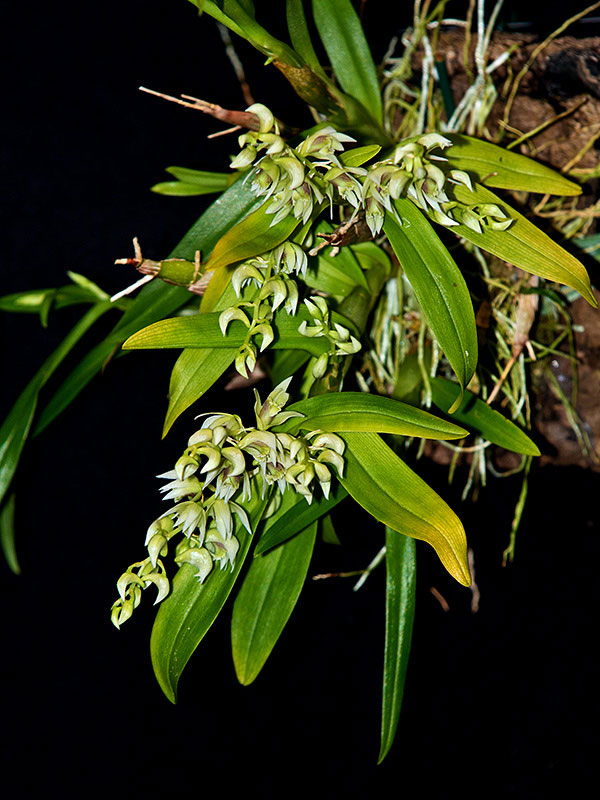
(307, 270)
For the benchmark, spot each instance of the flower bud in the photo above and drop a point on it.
(198, 557)
(186, 466)
(320, 366)
(157, 546)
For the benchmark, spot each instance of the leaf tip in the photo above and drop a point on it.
(129, 344)
(169, 691)
(457, 401)
(461, 571)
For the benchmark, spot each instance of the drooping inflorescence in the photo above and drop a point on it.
(224, 463)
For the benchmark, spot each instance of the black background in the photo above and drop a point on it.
(503, 700)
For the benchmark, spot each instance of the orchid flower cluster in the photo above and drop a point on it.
(223, 462)
(293, 179)
(412, 173)
(269, 274)
(341, 341)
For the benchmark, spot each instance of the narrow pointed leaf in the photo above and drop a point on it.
(496, 166)
(344, 40)
(194, 182)
(481, 418)
(524, 245)
(294, 515)
(328, 532)
(357, 411)
(7, 534)
(300, 36)
(14, 432)
(16, 427)
(253, 235)
(243, 17)
(213, 181)
(187, 614)
(33, 301)
(266, 600)
(439, 286)
(202, 331)
(214, 11)
(359, 155)
(400, 590)
(194, 373)
(391, 492)
(182, 189)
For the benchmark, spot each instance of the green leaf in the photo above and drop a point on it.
(202, 331)
(328, 532)
(286, 363)
(294, 515)
(481, 418)
(7, 534)
(253, 235)
(181, 189)
(524, 245)
(214, 11)
(439, 286)
(211, 181)
(325, 275)
(345, 262)
(196, 370)
(239, 17)
(192, 182)
(15, 428)
(33, 302)
(357, 411)
(344, 40)
(496, 166)
(187, 614)
(194, 373)
(372, 257)
(359, 155)
(337, 275)
(300, 36)
(14, 432)
(400, 590)
(156, 300)
(391, 492)
(266, 600)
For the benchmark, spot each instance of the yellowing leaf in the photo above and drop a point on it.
(495, 166)
(524, 245)
(391, 492)
(202, 331)
(253, 235)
